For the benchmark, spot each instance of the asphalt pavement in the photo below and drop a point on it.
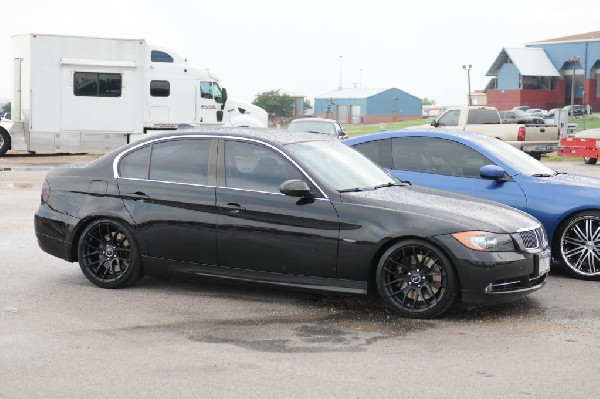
(60, 336)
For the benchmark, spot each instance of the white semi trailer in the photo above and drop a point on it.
(89, 94)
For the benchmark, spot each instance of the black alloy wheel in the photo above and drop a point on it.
(108, 254)
(578, 248)
(416, 279)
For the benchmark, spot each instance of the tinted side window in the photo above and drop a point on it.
(135, 164)
(160, 88)
(439, 156)
(450, 118)
(160, 56)
(206, 90)
(257, 168)
(378, 151)
(95, 84)
(181, 161)
(483, 117)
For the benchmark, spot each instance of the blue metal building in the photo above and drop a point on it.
(362, 105)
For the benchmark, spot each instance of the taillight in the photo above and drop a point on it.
(45, 192)
(521, 136)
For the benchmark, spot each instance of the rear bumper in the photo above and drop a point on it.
(488, 278)
(54, 231)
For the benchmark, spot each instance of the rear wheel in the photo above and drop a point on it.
(578, 245)
(4, 141)
(416, 279)
(590, 161)
(108, 254)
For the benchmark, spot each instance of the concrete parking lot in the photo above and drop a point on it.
(60, 336)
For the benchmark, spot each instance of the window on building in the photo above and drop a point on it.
(160, 88)
(160, 56)
(97, 84)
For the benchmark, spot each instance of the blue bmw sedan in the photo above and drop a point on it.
(568, 205)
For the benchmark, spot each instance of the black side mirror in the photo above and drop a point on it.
(435, 123)
(224, 95)
(295, 188)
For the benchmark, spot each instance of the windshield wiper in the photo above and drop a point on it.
(401, 184)
(542, 175)
(351, 190)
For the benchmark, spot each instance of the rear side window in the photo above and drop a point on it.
(97, 84)
(181, 161)
(160, 88)
(135, 164)
(483, 117)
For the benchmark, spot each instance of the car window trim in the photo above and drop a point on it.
(118, 158)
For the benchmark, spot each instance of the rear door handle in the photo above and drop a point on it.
(231, 207)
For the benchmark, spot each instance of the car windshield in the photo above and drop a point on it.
(516, 159)
(310, 126)
(339, 166)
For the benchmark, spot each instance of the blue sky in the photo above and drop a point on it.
(261, 45)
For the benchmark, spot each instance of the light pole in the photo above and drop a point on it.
(573, 60)
(340, 86)
(468, 69)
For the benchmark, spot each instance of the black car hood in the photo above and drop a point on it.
(461, 212)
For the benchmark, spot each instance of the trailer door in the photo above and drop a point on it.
(97, 99)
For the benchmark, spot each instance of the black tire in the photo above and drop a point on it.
(590, 161)
(108, 254)
(577, 245)
(536, 155)
(416, 279)
(4, 141)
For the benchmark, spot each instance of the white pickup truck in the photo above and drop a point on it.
(530, 138)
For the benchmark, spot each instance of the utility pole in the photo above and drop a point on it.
(573, 60)
(468, 69)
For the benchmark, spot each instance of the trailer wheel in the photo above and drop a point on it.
(590, 161)
(4, 141)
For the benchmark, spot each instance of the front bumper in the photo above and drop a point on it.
(488, 278)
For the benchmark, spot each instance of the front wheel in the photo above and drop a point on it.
(4, 141)
(590, 161)
(108, 254)
(578, 245)
(416, 279)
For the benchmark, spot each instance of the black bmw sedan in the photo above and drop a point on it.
(296, 210)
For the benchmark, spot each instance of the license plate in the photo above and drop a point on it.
(543, 262)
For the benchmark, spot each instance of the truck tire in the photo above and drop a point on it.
(4, 141)
(590, 161)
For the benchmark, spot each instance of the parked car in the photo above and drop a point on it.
(535, 112)
(520, 117)
(289, 209)
(318, 125)
(520, 108)
(577, 110)
(566, 204)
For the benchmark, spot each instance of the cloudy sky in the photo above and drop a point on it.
(255, 46)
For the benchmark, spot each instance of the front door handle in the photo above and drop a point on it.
(231, 207)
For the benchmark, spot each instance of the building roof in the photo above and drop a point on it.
(529, 61)
(352, 93)
(585, 37)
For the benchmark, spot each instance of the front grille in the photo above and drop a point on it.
(516, 284)
(534, 239)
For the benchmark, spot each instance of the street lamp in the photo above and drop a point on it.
(468, 69)
(573, 60)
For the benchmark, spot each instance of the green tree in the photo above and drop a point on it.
(427, 101)
(275, 103)
(307, 104)
(6, 108)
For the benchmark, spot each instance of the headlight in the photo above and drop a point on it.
(484, 241)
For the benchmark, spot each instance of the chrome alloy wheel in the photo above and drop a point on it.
(580, 245)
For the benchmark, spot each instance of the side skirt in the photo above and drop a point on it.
(164, 267)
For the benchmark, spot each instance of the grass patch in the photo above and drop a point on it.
(357, 130)
(553, 157)
(587, 123)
